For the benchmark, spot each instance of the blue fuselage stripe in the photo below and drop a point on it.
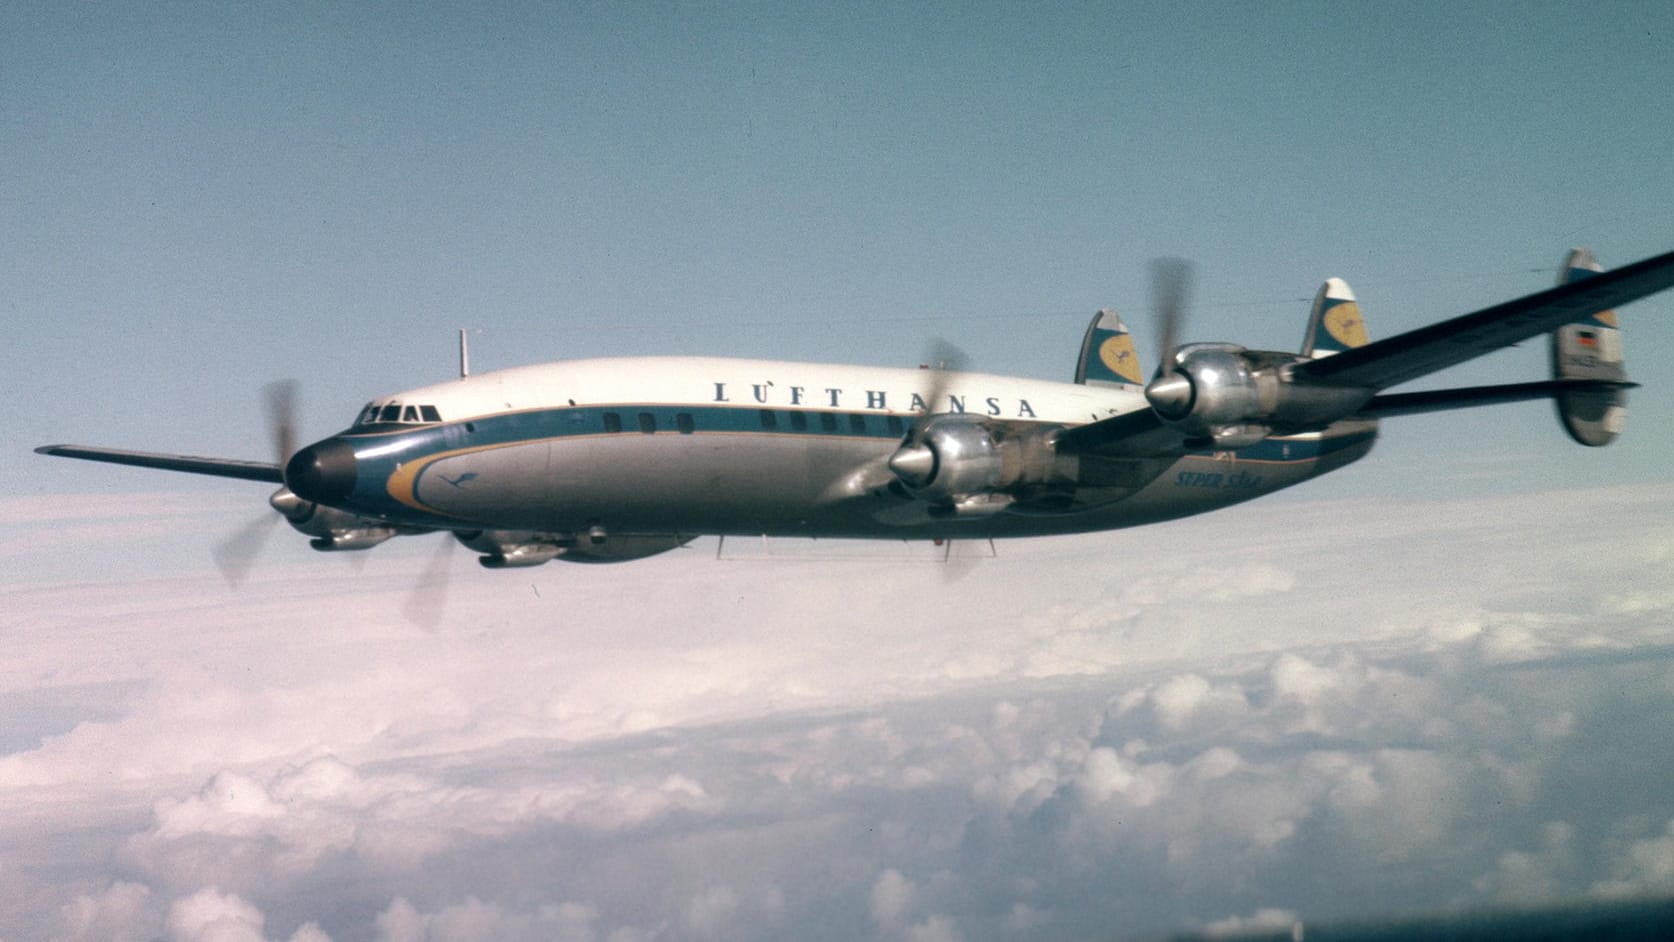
(381, 452)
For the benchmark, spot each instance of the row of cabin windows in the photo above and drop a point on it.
(828, 422)
(395, 412)
(648, 422)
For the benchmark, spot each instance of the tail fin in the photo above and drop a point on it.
(1108, 357)
(1334, 323)
(1590, 349)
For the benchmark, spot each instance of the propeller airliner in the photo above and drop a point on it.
(615, 459)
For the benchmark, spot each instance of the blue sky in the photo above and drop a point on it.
(201, 199)
(198, 199)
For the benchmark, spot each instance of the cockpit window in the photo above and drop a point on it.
(394, 413)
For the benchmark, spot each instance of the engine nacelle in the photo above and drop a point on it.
(359, 538)
(966, 464)
(1231, 397)
(332, 530)
(620, 549)
(953, 456)
(509, 549)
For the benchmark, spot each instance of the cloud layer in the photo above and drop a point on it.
(1287, 712)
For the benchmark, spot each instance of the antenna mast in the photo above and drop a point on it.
(464, 354)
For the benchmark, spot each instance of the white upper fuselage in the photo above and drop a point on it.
(772, 384)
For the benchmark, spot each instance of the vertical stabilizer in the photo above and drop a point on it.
(1589, 349)
(1108, 357)
(1334, 323)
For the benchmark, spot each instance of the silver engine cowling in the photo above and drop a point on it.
(509, 549)
(1230, 397)
(332, 530)
(965, 465)
(953, 456)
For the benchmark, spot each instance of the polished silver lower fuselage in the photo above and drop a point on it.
(702, 469)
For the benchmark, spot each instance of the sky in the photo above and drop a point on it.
(1437, 679)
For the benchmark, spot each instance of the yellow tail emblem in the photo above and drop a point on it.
(1334, 322)
(1108, 356)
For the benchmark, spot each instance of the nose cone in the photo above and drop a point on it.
(1172, 395)
(324, 472)
(915, 465)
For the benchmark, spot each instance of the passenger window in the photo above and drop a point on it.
(799, 421)
(647, 423)
(430, 414)
(895, 425)
(828, 422)
(612, 422)
(683, 422)
(769, 420)
(857, 424)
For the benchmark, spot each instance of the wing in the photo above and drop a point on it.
(1419, 352)
(219, 467)
(1137, 434)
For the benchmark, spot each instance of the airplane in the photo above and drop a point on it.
(606, 460)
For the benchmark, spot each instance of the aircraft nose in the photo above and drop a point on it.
(324, 472)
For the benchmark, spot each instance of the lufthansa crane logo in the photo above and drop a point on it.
(1344, 324)
(1117, 354)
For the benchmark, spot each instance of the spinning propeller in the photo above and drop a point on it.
(1224, 396)
(1169, 393)
(915, 461)
(236, 554)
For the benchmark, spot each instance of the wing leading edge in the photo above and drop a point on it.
(217, 467)
(1416, 353)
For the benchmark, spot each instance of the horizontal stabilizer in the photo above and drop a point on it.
(1440, 400)
(218, 467)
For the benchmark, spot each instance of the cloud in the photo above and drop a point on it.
(1335, 727)
(122, 912)
(1535, 875)
(249, 832)
(1262, 922)
(1643, 868)
(212, 916)
(891, 897)
(473, 919)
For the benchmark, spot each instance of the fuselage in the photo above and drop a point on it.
(688, 446)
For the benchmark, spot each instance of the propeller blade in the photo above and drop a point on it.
(944, 360)
(428, 598)
(281, 417)
(236, 554)
(1170, 283)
